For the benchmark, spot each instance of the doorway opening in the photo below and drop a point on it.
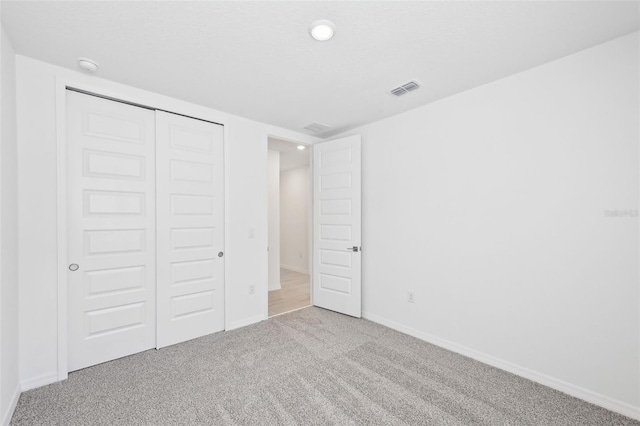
(289, 222)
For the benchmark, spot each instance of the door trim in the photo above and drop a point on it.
(136, 97)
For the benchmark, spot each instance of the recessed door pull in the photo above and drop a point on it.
(74, 267)
(220, 254)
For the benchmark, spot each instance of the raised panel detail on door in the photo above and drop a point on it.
(335, 233)
(121, 127)
(184, 139)
(114, 241)
(335, 181)
(192, 238)
(192, 304)
(341, 157)
(113, 202)
(192, 205)
(110, 165)
(190, 235)
(115, 280)
(116, 319)
(336, 226)
(335, 258)
(192, 270)
(111, 229)
(190, 171)
(337, 207)
(335, 283)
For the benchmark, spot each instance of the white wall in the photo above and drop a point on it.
(490, 206)
(246, 258)
(273, 181)
(294, 219)
(9, 383)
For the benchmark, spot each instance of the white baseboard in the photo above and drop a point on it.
(557, 384)
(295, 269)
(244, 322)
(39, 381)
(6, 417)
(272, 288)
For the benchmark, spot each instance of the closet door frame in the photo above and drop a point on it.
(118, 93)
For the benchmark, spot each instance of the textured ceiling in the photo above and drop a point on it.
(256, 59)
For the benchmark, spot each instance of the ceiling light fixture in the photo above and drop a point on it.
(87, 65)
(322, 30)
(301, 147)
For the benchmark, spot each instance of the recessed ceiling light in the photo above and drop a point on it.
(87, 65)
(322, 30)
(301, 147)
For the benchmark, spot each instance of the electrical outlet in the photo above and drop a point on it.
(252, 232)
(252, 289)
(410, 297)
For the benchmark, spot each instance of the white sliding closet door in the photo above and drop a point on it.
(111, 229)
(190, 228)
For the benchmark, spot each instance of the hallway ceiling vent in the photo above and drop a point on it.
(317, 127)
(405, 88)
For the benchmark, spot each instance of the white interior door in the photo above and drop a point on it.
(190, 233)
(111, 229)
(336, 225)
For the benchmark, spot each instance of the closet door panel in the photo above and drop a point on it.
(190, 228)
(111, 229)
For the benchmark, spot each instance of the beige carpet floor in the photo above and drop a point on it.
(309, 367)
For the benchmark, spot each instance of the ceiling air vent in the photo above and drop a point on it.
(317, 127)
(405, 88)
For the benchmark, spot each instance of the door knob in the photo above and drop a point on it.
(220, 254)
(354, 249)
(74, 267)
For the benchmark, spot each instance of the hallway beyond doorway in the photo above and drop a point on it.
(293, 294)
